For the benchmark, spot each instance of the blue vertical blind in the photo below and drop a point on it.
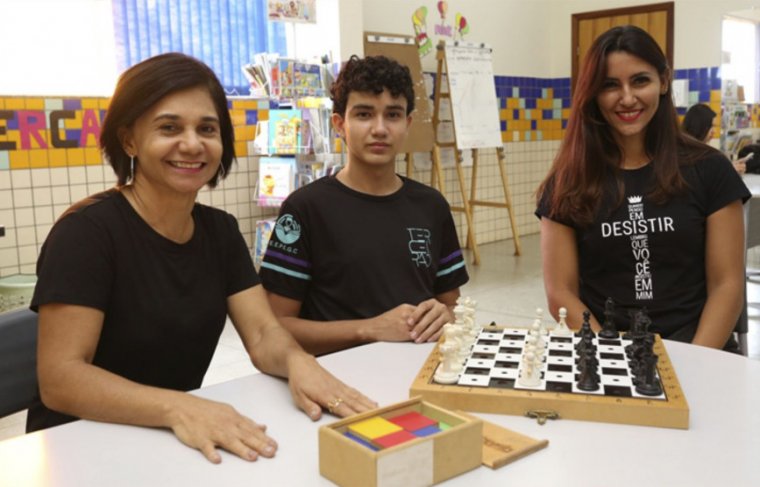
(225, 34)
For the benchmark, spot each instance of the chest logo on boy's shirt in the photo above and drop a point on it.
(288, 230)
(419, 246)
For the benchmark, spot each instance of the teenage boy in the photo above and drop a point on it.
(365, 255)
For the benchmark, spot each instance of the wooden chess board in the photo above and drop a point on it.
(488, 383)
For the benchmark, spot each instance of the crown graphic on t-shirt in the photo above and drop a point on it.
(634, 199)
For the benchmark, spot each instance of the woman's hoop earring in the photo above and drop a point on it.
(131, 168)
(222, 172)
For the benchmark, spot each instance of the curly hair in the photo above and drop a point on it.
(373, 74)
(142, 86)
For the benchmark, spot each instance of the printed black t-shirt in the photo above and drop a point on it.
(643, 254)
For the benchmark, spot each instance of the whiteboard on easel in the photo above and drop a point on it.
(473, 95)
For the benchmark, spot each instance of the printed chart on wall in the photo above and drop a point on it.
(473, 95)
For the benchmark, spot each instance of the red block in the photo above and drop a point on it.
(394, 439)
(413, 421)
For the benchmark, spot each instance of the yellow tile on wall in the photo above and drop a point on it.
(38, 158)
(2, 103)
(263, 114)
(513, 103)
(241, 148)
(57, 157)
(75, 156)
(19, 159)
(90, 103)
(715, 96)
(245, 104)
(92, 156)
(103, 103)
(73, 123)
(14, 103)
(34, 103)
(238, 117)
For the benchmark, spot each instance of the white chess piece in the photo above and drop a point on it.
(562, 330)
(530, 375)
(446, 372)
(535, 330)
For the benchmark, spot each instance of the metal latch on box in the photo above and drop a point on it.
(541, 415)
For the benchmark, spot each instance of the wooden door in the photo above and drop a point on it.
(657, 19)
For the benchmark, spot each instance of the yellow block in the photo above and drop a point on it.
(374, 428)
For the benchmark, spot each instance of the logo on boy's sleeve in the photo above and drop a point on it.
(287, 229)
(419, 246)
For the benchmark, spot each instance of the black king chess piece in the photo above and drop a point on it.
(609, 331)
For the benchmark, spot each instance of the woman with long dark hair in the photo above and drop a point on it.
(634, 210)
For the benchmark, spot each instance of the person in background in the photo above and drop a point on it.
(698, 122)
(365, 255)
(634, 210)
(135, 283)
(750, 154)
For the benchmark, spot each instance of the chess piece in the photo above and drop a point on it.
(562, 329)
(608, 327)
(530, 375)
(446, 372)
(648, 384)
(589, 378)
(586, 326)
(451, 334)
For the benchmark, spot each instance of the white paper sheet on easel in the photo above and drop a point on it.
(473, 95)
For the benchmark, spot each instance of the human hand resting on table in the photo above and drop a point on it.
(207, 425)
(314, 388)
(427, 320)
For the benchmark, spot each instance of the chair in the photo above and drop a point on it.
(18, 360)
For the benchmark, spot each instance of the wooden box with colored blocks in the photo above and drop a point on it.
(409, 443)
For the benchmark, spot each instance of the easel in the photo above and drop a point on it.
(436, 174)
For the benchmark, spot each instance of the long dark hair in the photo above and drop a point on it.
(142, 86)
(589, 153)
(698, 121)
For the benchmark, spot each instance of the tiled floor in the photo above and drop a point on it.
(508, 290)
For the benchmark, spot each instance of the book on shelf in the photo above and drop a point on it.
(277, 179)
(263, 232)
(284, 131)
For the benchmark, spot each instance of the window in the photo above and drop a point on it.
(225, 34)
(740, 56)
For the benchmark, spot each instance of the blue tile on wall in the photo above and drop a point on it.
(515, 114)
(704, 72)
(251, 117)
(715, 72)
(704, 95)
(73, 134)
(547, 114)
(566, 103)
(530, 103)
(681, 110)
(502, 103)
(72, 104)
(12, 123)
(564, 124)
(503, 125)
(715, 84)
(681, 74)
(533, 124)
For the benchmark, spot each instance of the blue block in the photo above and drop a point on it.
(426, 431)
(361, 441)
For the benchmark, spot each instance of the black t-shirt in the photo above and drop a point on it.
(164, 302)
(349, 255)
(643, 254)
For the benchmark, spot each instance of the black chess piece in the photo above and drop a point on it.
(586, 326)
(589, 378)
(648, 384)
(609, 331)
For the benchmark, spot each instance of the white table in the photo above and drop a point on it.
(721, 447)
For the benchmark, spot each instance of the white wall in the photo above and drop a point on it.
(512, 27)
(532, 37)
